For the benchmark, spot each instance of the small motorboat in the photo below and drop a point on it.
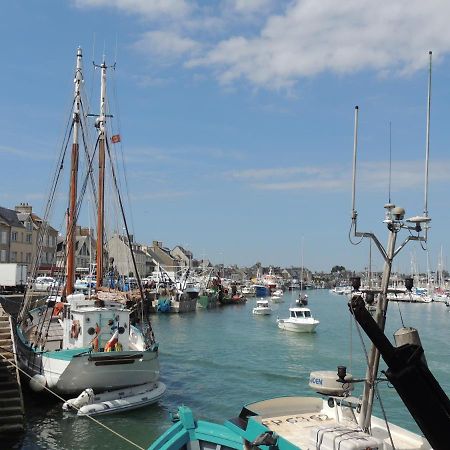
(88, 403)
(300, 321)
(262, 308)
(278, 293)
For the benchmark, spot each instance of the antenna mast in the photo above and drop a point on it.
(427, 144)
(395, 222)
(355, 148)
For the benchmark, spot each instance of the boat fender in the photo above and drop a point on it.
(82, 400)
(38, 383)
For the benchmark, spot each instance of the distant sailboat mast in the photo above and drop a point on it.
(71, 223)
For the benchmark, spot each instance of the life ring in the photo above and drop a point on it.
(75, 329)
(58, 308)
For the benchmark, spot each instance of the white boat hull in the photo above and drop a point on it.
(123, 400)
(297, 327)
(72, 371)
(262, 311)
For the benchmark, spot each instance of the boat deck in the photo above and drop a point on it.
(307, 430)
(310, 423)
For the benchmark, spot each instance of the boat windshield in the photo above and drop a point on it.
(307, 313)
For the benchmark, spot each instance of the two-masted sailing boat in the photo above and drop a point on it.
(102, 340)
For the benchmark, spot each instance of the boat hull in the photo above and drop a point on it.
(298, 327)
(69, 372)
(262, 311)
(287, 423)
(123, 401)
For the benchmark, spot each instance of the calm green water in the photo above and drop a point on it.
(216, 361)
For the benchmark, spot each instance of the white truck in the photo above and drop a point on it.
(13, 277)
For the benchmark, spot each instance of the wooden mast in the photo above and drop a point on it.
(101, 177)
(71, 223)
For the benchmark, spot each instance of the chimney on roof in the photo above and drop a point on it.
(157, 244)
(24, 208)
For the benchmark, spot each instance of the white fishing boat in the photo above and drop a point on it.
(300, 320)
(103, 340)
(262, 308)
(340, 419)
(109, 402)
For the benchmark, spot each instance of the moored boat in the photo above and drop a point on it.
(70, 341)
(262, 308)
(88, 403)
(300, 320)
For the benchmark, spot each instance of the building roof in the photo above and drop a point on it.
(10, 216)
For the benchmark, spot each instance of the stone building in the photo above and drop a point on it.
(119, 249)
(85, 252)
(20, 233)
(44, 239)
(182, 255)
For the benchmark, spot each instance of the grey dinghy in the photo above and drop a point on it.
(87, 403)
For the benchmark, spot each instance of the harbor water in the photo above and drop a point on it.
(215, 361)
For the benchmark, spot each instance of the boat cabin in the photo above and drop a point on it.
(300, 313)
(262, 304)
(88, 325)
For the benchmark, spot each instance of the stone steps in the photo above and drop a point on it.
(11, 402)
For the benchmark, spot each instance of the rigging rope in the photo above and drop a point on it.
(138, 278)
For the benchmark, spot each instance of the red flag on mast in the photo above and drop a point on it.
(115, 138)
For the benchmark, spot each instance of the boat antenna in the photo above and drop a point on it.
(427, 142)
(390, 160)
(395, 221)
(115, 51)
(355, 149)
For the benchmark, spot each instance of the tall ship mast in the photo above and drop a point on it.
(100, 124)
(79, 341)
(72, 212)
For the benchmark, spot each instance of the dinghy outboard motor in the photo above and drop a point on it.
(407, 372)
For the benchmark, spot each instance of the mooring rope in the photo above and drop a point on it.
(63, 400)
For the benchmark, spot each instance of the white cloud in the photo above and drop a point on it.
(28, 154)
(328, 36)
(274, 172)
(249, 6)
(371, 176)
(304, 38)
(165, 44)
(151, 9)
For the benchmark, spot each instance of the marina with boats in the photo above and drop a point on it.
(106, 342)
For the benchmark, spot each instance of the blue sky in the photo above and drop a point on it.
(236, 117)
